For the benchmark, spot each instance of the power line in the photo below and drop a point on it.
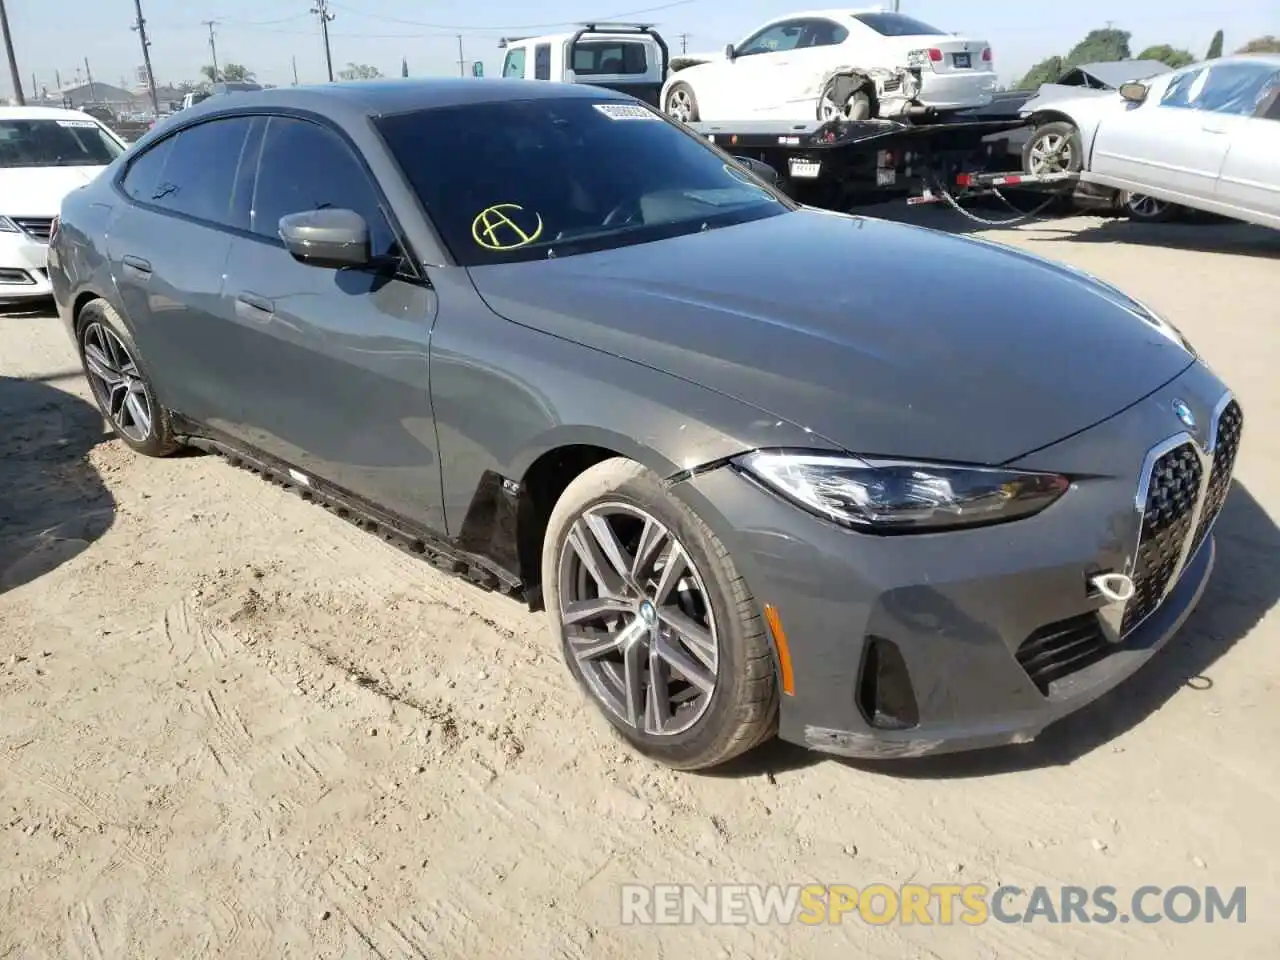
(140, 25)
(18, 98)
(213, 48)
(509, 27)
(321, 9)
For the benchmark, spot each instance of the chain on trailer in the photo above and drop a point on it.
(935, 189)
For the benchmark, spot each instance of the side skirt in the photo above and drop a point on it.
(439, 551)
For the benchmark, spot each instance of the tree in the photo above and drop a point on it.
(1215, 47)
(210, 74)
(1170, 56)
(237, 72)
(1046, 71)
(359, 71)
(404, 66)
(1100, 46)
(1267, 44)
(680, 63)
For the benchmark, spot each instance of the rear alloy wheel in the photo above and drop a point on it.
(1145, 209)
(681, 104)
(654, 622)
(119, 386)
(844, 99)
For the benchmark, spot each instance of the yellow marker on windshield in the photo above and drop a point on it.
(500, 227)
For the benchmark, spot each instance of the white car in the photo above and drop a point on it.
(44, 155)
(825, 64)
(1205, 137)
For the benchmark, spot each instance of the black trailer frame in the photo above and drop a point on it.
(842, 163)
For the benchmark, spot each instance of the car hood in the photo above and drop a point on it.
(880, 338)
(38, 191)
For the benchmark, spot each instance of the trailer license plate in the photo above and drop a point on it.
(962, 61)
(804, 169)
(886, 178)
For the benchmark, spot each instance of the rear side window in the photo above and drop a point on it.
(897, 25)
(513, 66)
(609, 58)
(542, 61)
(193, 172)
(305, 167)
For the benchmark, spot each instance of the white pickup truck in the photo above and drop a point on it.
(631, 58)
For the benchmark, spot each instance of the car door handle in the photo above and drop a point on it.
(250, 306)
(136, 266)
(1213, 129)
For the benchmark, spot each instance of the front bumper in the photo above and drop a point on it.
(958, 606)
(24, 271)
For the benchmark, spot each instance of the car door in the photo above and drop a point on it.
(1167, 143)
(801, 80)
(746, 87)
(1250, 177)
(333, 371)
(168, 244)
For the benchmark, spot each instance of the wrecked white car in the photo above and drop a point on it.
(855, 64)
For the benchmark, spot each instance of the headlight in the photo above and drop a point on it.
(895, 496)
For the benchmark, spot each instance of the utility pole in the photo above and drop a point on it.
(294, 59)
(93, 87)
(141, 26)
(462, 62)
(684, 43)
(57, 75)
(213, 47)
(321, 9)
(18, 98)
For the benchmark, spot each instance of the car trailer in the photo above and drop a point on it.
(840, 164)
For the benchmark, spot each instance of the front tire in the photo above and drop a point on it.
(681, 103)
(1053, 148)
(654, 621)
(119, 384)
(844, 98)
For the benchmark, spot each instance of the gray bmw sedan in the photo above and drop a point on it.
(768, 469)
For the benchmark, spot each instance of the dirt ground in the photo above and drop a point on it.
(233, 725)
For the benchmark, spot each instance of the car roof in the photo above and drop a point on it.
(352, 99)
(42, 113)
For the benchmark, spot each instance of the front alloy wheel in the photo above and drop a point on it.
(655, 622)
(637, 620)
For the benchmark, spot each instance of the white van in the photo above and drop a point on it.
(631, 58)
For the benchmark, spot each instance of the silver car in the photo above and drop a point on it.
(1206, 137)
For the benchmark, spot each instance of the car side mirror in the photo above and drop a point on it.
(1133, 91)
(327, 238)
(729, 52)
(766, 172)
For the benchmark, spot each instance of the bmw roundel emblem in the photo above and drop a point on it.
(1183, 413)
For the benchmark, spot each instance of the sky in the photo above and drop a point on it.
(268, 35)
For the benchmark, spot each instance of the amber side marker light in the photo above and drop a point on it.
(784, 651)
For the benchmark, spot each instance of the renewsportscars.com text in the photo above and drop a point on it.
(926, 904)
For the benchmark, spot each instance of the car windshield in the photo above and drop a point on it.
(56, 143)
(530, 179)
(897, 25)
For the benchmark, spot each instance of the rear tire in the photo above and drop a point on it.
(119, 382)
(725, 700)
(845, 98)
(681, 104)
(1143, 209)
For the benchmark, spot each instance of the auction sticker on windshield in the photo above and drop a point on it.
(625, 111)
(77, 123)
(506, 226)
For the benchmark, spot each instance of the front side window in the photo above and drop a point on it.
(613, 58)
(68, 142)
(777, 38)
(897, 25)
(305, 167)
(1184, 88)
(513, 65)
(1235, 88)
(533, 179)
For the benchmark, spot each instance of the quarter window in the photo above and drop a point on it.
(306, 167)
